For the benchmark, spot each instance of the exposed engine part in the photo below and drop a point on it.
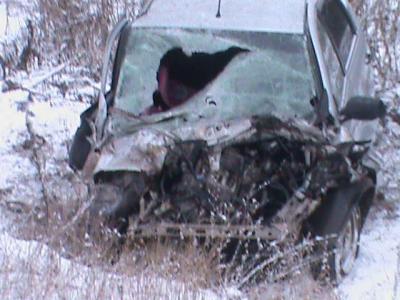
(249, 194)
(274, 183)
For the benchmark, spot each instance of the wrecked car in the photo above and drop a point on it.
(254, 123)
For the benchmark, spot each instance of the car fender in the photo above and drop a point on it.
(330, 217)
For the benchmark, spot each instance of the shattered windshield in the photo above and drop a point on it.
(169, 72)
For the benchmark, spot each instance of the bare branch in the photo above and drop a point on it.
(36, 141)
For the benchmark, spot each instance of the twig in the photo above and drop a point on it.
(31, 91)
(36, 82)
(38, 160)
(91, 83)
(30, 87)
(81, 211)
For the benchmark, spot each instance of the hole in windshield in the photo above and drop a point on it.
(216, 75)
(180, 76)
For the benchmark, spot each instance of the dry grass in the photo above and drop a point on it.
(33, 271)
(76, 31)
(65, 261)
(59, 31)
(60, 261)
(300, 286)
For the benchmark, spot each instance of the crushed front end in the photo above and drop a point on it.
(235, 154)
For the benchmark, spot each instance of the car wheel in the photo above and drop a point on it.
(341, 251)
(345, 247)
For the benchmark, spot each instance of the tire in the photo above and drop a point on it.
(80, 147)
(341, 250)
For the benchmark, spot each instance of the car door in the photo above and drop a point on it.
(343, 48)
(337, 36)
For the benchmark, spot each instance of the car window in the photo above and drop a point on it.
(273, 80)
(335, 74)
(335, 21)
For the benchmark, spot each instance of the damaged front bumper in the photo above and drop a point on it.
(258, 178)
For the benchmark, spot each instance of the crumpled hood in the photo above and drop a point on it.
(145, 150)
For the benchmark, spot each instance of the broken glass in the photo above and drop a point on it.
(273, 77)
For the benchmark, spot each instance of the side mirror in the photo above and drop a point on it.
(363, 109)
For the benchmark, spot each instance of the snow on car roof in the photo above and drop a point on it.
(245, 15)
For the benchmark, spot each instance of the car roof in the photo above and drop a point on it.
(286, 16)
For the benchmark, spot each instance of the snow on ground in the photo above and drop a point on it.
(375, 271)
(9, 25)
(54, 122)
(12, 124)
(30, 270)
